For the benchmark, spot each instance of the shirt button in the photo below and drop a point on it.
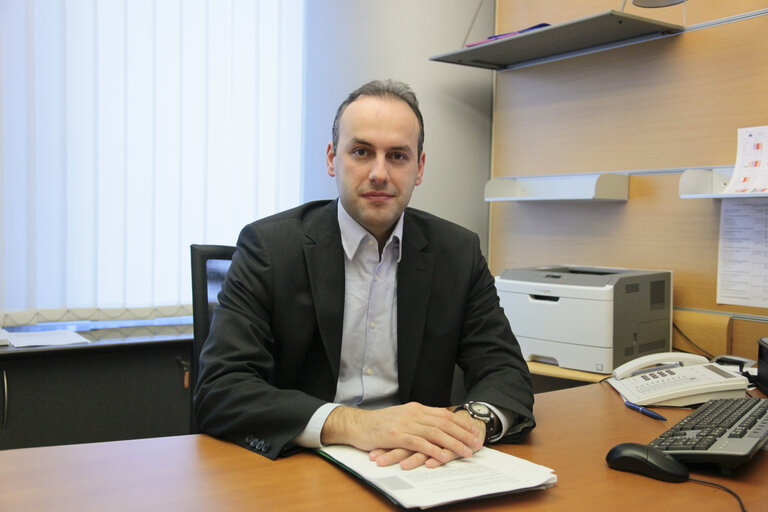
(369, 371)
(372, 325)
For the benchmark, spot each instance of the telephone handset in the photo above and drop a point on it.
(664, 358)
(675, 379)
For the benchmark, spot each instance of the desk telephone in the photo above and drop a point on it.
(676, 379)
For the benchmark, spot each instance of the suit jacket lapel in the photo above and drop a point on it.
(324, 258)
(414, 282)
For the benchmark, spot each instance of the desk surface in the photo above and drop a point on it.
(551, 370)
(576, 428)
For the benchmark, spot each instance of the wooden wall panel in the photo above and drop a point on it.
(673, 103)
(745, 336)
(654, 229)
(669, 103)
(710, 333)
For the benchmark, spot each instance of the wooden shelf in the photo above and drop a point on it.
(599, 32)
(575, 187)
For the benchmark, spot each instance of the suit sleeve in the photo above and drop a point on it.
(234, 395)
(489, 355)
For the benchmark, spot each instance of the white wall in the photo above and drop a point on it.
(349, 42)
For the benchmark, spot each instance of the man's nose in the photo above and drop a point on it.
(379, 172)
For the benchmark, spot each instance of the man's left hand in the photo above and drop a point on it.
(409, 459)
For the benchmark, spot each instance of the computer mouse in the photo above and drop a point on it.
(646, 460)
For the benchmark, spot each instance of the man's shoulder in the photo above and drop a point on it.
(431, 224)
(303, 213)
(297, 217)
(293, 225)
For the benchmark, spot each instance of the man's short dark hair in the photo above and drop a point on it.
(391, 89)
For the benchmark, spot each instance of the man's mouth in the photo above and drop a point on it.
(377, 195)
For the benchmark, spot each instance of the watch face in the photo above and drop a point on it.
(480, 409)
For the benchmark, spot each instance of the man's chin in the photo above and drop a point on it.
(380, 221)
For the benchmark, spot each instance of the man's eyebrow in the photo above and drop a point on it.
(405, 148)
(356, 140)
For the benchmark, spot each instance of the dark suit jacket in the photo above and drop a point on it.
(272, 357)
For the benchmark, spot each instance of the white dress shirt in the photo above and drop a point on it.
(368, 369)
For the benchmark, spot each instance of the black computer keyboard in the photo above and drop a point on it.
(726, 432)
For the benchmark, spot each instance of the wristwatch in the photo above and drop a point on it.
(483, 413)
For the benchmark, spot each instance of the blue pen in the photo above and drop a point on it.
(645, 411)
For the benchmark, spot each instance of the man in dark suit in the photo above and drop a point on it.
(341, 322)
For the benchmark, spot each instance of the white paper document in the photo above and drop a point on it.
(742, 264)
(750, 174)
(45, 338)
(489, 472)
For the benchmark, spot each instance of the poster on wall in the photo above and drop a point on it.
(742, 264)
(750, 174)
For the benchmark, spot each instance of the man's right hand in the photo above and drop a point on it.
(436, 433)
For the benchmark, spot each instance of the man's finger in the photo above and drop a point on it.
(414, 460)
(450, 437)
(433, 463)
(389, 457)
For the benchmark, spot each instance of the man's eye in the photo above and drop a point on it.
(398, 156)
(360, 152)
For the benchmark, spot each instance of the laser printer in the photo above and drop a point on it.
(587, 318)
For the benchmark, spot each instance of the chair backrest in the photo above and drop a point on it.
(209, 267)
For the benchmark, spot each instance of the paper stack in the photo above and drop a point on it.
(43, 338)
(488, 472)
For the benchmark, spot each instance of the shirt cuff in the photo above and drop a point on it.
(310, 436)
(506, 418)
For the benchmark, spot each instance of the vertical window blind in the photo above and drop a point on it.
(131, 129)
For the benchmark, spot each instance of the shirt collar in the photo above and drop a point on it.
(352, 234)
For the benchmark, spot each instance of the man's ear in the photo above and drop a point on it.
(329, 156)
(420, 175)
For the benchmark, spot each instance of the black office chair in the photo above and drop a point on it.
(209, 267)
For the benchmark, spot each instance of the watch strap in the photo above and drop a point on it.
(492, 421)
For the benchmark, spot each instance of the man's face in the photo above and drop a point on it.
(376, 164)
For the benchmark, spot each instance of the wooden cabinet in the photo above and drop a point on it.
(103, 391)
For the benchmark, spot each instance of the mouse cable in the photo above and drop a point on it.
(715, 484)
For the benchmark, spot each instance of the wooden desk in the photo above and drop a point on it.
(549, 377)
(576, 428)
(551, 370)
